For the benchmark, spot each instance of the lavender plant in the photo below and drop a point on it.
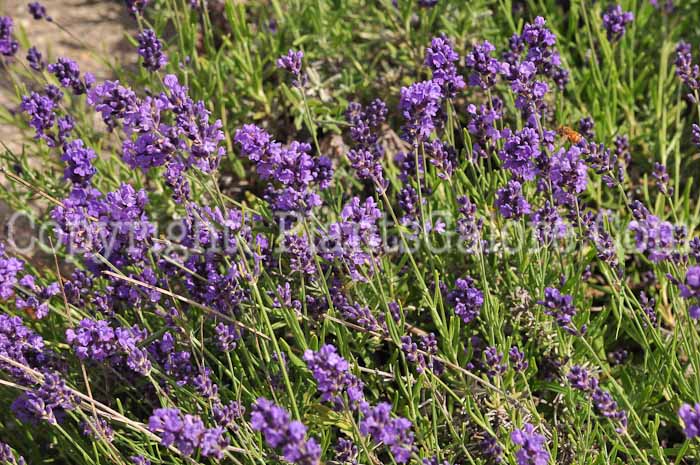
(451, 245)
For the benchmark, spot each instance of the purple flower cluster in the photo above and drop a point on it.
(35, 60)
(394, 433)
(10, 268)
(47, 402)
(615, 20)
(482, 128)
(282, 433)
(466, 299)
(20, 344)
(167, 129)
(354, 240)
(533, 449)
(440, 57)
(510, 201)
(291, 62)
(568, 175)
(42, 116)
(333, 377)
(425, 358)
(468, 225)
(34, 299)
(583, 380)
(7, 457)
(68, 74)
(562, 308)
(78, 159)
(8, 44)
(690, 416)
(38, 11)
(654, 238)
(686, 70)
(365, 157)
(98, 341)
(293, 175)
(420, 107)
(521, 150)
(187, 433)
(549, 225)
(151, 50)
(484, 68)
(690, 289)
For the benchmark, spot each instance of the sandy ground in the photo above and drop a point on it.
(96, 29)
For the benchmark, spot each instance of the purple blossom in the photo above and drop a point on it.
(187, 433)
(517, 359)
(615, 20)
(583, 380)
(690, 289)
(468, 225)
(68, 74)
(293, 175)
(227, 337)
(333, 377)
(35, 298)
(533, 449)
(47, 402)
(283, 434)
(98, 429)
(8, 45)
(395, 433)
(520, 151)
(548, 224)
(136, 7)
(354, 239)
(690, 416)
(38, 11)
(151, 50)
(40, 109)
(654, 238)
(568, 175)
(686, 70)
(10, 268)
(291, 62)
(586, 128)
(35, 60)
(20, 344)
(113, 101)
(346, 452)
(366, 156)
(483, 67)
(482, 127)
(420, 107)
(562, 308)
(78, 159)
(226, 415)
(7, 457)
(440, 57)
(510, 200)
(493, 362)
(466, 299)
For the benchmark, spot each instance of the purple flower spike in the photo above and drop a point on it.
(532, 446)
(690, 416)
(8, 45)
(283, 434)
(38, 11)
(466, 299)
(151, 50)
(615, 20)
